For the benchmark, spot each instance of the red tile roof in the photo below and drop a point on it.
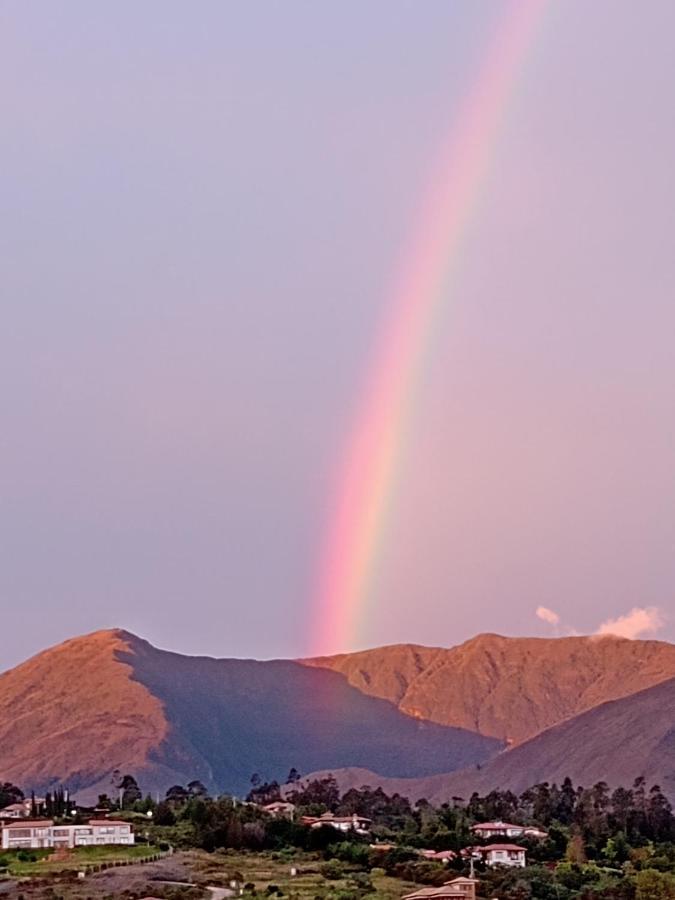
(501, 847)
(30, 823)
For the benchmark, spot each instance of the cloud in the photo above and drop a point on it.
(639, 621)
(547, 615)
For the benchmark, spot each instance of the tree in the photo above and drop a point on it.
(322, 794)
(197, 789)
(659, 815)
(293, 776)
(164, 814)
(177, 795)
(9, 793)
(129, 791)
(576, 852)
(653, 885)
(564, 811)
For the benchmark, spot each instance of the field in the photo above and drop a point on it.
(81, 858)
(192, 875)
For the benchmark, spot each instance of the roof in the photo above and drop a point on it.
(107, 822)
(425, 892)
(513, 847)
(30, 823)
(12, 806)
(445, 891)
(494, 826)
(330, 819)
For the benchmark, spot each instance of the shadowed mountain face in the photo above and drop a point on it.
(244, 716)
(508, 688)
(615, 742)
(111, 700)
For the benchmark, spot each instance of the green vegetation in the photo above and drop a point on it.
(40, 863)
(601, 844)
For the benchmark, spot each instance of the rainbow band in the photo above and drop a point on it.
(368, 469)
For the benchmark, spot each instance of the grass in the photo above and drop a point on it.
(265, 876)
(262, 870)
(76, 859)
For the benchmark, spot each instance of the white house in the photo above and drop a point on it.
(43, 833)
(489, 830)
(15, 811)
(359, 824)
(280, 809)
(503, 855)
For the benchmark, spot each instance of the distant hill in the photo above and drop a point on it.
(615, 742)
(110, 701)
(508, 688)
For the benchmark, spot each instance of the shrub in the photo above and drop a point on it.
(332, 870)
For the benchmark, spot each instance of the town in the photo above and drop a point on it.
(551, 842)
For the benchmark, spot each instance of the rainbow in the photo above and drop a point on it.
(371, 461)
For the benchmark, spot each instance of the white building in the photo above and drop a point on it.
(504, 855)
(15, 811)
(489, 830)
(359, 824)
(43, 833)
(280, 809)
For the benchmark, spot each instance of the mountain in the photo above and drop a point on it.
(615, 742)
(507, 688)
(110, 700)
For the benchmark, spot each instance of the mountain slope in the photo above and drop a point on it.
(508, 688)
(615, 742)
(111, 700)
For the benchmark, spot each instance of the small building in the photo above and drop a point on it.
(15, 811)
(457, 889)
(359, 824)
(487, 830)
(280, 809)
(503, 855)
(443, 856)
(43, 833)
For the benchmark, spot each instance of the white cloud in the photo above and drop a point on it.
(636, 623)
(548, 615)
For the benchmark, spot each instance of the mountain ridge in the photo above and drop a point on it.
(508, 688)
(110, 700)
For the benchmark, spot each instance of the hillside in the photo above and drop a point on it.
(615, 742)
(110, 700)
(508, 688)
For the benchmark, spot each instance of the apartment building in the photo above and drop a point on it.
(43, 833)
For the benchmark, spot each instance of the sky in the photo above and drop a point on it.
(204, 209)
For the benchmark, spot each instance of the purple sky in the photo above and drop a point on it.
(203, 209)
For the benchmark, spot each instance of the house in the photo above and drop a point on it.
(280, 809)
(443, 856)
(15, 811)
(35, 834)
(487, 830)
(457, 889)
(359, 824)
(497, 829)
(31, 834)
(501, 855)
